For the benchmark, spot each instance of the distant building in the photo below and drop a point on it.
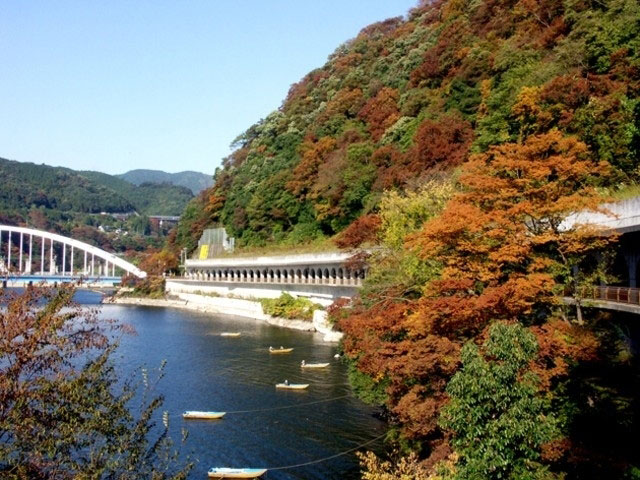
(164, 220)
(213, 243)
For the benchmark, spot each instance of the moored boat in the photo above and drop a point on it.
(223, 472)
(304, 364)
(230, 334)
(292, 386)
(202, 415)
(280, 350)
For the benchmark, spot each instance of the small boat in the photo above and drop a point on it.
(221, 472)
(203, 415)
(292, 386)
(230, 334)
(280, 350)
(304, 364)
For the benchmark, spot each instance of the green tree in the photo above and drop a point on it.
(64, 413)
(497, 416)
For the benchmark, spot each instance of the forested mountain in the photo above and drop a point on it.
(458, 139)
(72, 203)
(26, 184)
(148, 198)
(194, 181)
(410, 96)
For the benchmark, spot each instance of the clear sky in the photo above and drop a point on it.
(116, 85)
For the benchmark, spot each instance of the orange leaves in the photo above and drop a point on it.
(558, 342)
(502, 254)
(502, 235)
(314, 153)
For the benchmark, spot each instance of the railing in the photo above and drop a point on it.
(613, 294)
(350, 281)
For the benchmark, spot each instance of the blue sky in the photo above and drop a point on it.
(117, 85)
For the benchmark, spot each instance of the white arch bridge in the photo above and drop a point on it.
(25, 251)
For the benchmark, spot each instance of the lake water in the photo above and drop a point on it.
(208, 372)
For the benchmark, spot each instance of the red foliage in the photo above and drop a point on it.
(392, 170)
(364, 229)
(380, 112)
(567, 90)
(442, 59)
(444, 143)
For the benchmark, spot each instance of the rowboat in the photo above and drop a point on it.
(230, 334)
(304, 364)
(221, 472)
(202, 415)
(292, 386)
(280, 350)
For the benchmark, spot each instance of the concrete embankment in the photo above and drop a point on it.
(234, 306)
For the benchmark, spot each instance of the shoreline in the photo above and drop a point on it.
(235, 307)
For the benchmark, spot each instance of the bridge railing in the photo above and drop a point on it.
(613, 294)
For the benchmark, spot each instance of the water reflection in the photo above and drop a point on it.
(206, 371)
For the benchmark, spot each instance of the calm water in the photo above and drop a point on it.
(207, 372)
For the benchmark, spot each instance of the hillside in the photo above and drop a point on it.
(27, 184)
(72, 203)
(194, 181)
(411, 96)
(148, 198)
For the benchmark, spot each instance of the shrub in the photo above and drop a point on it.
(290, 307)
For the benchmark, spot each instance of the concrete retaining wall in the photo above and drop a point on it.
(236, 307)
(321, 294)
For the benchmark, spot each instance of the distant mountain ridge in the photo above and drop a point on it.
(194, 181)
(26, 185)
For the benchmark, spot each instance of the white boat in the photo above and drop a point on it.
(202, 415)
(292, 386)
(304, 364)
(230, 334)
(221, 472)
(280, 350)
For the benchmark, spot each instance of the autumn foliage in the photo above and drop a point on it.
(503, 253)
(364, 229)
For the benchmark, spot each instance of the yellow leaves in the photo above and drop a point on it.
(403, 214)
(403, 468)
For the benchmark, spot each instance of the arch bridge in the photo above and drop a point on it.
(26, 251)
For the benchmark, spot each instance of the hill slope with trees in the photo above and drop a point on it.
(410, 96)
(26, 185)
(194, 181)
(458, 139)
(79, 204)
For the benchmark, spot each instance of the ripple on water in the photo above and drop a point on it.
(208, 372)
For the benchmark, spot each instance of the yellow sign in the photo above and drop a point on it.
(204, 252)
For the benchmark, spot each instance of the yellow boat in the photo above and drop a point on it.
(219, 472)
(280, 350)
(304, 364)
(202, 415)
(230, 334)
(292, 386)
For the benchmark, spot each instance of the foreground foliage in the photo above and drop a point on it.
(64, 412)
(498, 418)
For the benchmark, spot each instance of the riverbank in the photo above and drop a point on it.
(233, 306)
